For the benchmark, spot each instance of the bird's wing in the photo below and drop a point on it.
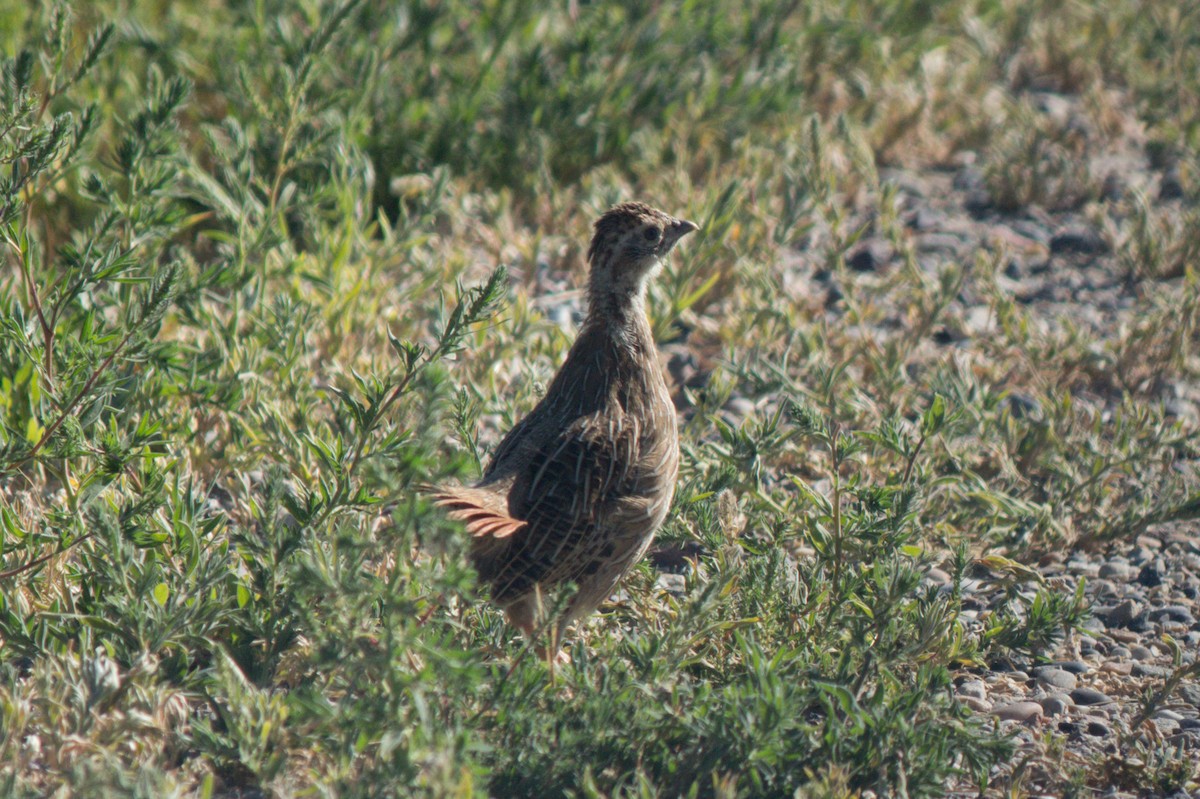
(560, 494)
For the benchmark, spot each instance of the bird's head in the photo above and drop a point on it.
(630, 243)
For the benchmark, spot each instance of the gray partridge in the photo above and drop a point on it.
(577, 489)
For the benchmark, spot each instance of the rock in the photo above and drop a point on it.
(1079, 241)
(968, 178)
(1189, 724)
(1151, 574)
(1072, 666)
(1022, 406)
(1140, 555)
(973, 688)
(1023, 712)
(1098, 729)
(1146, 670)
(1120, 652)
(1092, 625)
(1164, 713)
(1117, 668)
(925, 219)
(1116, 570)
(675, 584)
(1055, 704)
(1070, 728)
(977, 202)
(1171, 187)
(1086, 568)
(1177, 613)
(1122, 614)
(941, 243)
(1052, 677)
(1089, 696)
(1190, 693)
(978, 705)
(1165, 726)
(1181, 409)
(1139, 652)
(1114, 187)
(869, 256)
(937, 576)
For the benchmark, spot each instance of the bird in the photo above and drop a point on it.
(577, 488)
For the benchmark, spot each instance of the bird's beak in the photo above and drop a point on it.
(682, 227)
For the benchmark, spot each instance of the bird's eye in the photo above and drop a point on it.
(652, 234)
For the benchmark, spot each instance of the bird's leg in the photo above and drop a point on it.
(525, 614)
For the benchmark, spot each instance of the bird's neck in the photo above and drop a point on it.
(621, 315)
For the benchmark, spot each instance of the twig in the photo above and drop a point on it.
(40, 560)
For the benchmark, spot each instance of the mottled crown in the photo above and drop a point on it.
(619, 222)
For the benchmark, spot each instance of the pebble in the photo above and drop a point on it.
(1172, 613)
(937, 576)
(1022, 406)
(940, 242)
(1052, 677)
(1114, 667)
(1092, 625)
(1089, 696)
(1165, 726)
(1098, 728)
(1083, 567)
(1123, 614)
(1055, 704)
(869, 256)
(1151, 574)
(1079, 240)
(974, 689)
(1120, 652)
(675, 584)
(1019, 711)
(978, 705)
(1139, 652)
(1071, 728)
(1116, 570)
(1171, 187)
(969, 177)
(1140, 555)
(1072, 666)
(1146, 670)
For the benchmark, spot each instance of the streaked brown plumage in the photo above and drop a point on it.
(576, 490)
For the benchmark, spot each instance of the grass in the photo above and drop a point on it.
(267, 267)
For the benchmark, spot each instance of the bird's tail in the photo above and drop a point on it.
(483, 511)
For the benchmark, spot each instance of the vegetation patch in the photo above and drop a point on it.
(266, 268)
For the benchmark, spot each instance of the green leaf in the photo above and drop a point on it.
(934, 417)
